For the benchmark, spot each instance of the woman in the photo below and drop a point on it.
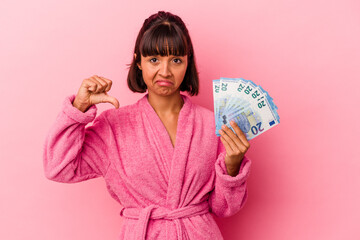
(160, 157)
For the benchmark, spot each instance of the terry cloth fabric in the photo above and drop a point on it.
(166, 192)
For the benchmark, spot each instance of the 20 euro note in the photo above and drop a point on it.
(246, 103)
(251, 121)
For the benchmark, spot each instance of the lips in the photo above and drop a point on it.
(164, 83)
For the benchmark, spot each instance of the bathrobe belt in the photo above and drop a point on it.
(157, 212)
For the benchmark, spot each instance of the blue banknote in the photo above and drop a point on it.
(246, 103)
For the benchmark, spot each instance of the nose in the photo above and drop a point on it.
(164, 70)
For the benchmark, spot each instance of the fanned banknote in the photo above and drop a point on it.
(248, 104)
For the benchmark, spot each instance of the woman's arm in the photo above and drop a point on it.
(230, 192)
(73, 153)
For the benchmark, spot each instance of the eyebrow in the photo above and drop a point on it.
(156, 55)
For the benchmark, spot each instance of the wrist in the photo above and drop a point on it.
(232, 171)
(79, 106)
(232, 168)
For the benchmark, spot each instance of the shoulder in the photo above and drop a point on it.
(202, 110)
(204, 130)
(120, 114)
(206, 115)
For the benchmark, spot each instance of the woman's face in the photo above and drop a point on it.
(163, 75)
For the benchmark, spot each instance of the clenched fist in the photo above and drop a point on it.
(92, 91)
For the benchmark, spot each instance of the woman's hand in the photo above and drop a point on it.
(235, 145)
(94, 90)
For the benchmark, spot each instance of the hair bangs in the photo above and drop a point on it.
(164, 40)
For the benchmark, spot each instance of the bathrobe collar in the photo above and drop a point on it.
(175, 157)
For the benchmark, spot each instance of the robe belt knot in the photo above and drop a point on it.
(158, 212)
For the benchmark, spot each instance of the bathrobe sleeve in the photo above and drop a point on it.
(73, 153)
(230, 193)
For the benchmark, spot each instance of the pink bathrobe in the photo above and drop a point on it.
(166, 192)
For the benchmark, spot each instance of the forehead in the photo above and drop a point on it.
(164, 40)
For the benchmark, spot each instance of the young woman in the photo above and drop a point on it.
(160, 157)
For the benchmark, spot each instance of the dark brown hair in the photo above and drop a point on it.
(164, 34)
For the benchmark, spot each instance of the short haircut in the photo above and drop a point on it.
(164, 34)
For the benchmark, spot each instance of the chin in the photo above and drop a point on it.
(165, 92)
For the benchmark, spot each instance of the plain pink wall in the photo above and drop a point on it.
(305, 181)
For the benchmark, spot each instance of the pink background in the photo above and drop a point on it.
(305, 181)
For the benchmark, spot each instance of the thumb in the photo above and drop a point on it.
(112, 100)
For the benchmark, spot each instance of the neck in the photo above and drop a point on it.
(166, 105)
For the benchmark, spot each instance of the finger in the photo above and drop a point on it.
(228, 140)
(90, 84)
(240, 134)
(101, 80)
(111, 99)
(109, 83)
(226, 145)
(240, 145)
(235, 141)
(103, 83)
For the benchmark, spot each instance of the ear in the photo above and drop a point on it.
(138, 64)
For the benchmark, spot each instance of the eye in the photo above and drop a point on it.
(153, 60)
(177, 60)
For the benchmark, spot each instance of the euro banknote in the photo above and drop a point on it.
(246, 103)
